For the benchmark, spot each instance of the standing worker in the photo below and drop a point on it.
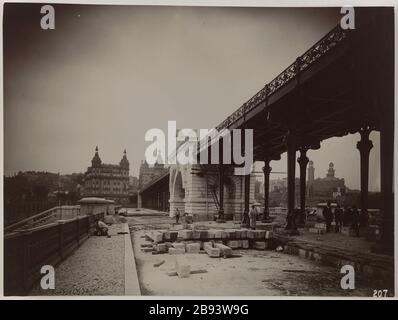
(328, 215)
(253, 217)
(355, 220)
(338, 218)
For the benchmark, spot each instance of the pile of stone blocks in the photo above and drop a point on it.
(318, 228)
(215, 242)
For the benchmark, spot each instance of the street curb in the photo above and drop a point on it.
(131, 283)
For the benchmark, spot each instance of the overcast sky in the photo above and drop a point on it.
(107, 74)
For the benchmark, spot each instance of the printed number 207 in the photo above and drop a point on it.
(380, 293)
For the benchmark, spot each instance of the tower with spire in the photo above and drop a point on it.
(109, 181)
(96, 161)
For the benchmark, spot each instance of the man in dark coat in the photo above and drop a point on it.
(328, 215)
(338, 218)
(355, 220)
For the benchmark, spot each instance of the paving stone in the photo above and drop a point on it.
(183, 267)
(192, 247)
(210, 250)
(176, 251)
(225, 250)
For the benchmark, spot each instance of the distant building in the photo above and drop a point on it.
(323, 189)
(110, 181)
(133, 184)
(147, 173)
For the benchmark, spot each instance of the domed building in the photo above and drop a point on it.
(110, 181)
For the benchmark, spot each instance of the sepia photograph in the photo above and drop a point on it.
(198, 151)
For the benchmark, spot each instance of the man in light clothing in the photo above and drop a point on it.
(253, 217)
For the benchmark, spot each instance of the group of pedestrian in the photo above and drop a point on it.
(347, 217)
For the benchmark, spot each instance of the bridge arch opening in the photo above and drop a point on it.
(177, 192)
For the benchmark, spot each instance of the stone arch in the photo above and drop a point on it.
(177, 191)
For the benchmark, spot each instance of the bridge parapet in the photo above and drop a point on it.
(27, 250)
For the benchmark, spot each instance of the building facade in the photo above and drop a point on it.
(148, 174)
(323, 189)
(110, 181)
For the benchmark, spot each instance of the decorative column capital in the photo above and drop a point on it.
(303, 159)
(365, 144)
(267, 169)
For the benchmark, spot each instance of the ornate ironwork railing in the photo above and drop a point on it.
(318, 50)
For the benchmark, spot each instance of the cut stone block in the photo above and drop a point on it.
(168, 245)
(185, 234)
(259, 234)
(166, 235)
(178, 245)
(204, 234)
(192, 247)
(176, 251)
(195, 234)
(243, 233)
(230, 233)
(218, 234)
(269, 234)
(156, 236)
(210, 250)
(251, 234)
(225, 250)
(183, 267)
(316, 230)
(320, 225)
(173, 235)
(210, 234)
(260, 245)
(161, 247)
(245, 244)
(234, 244)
